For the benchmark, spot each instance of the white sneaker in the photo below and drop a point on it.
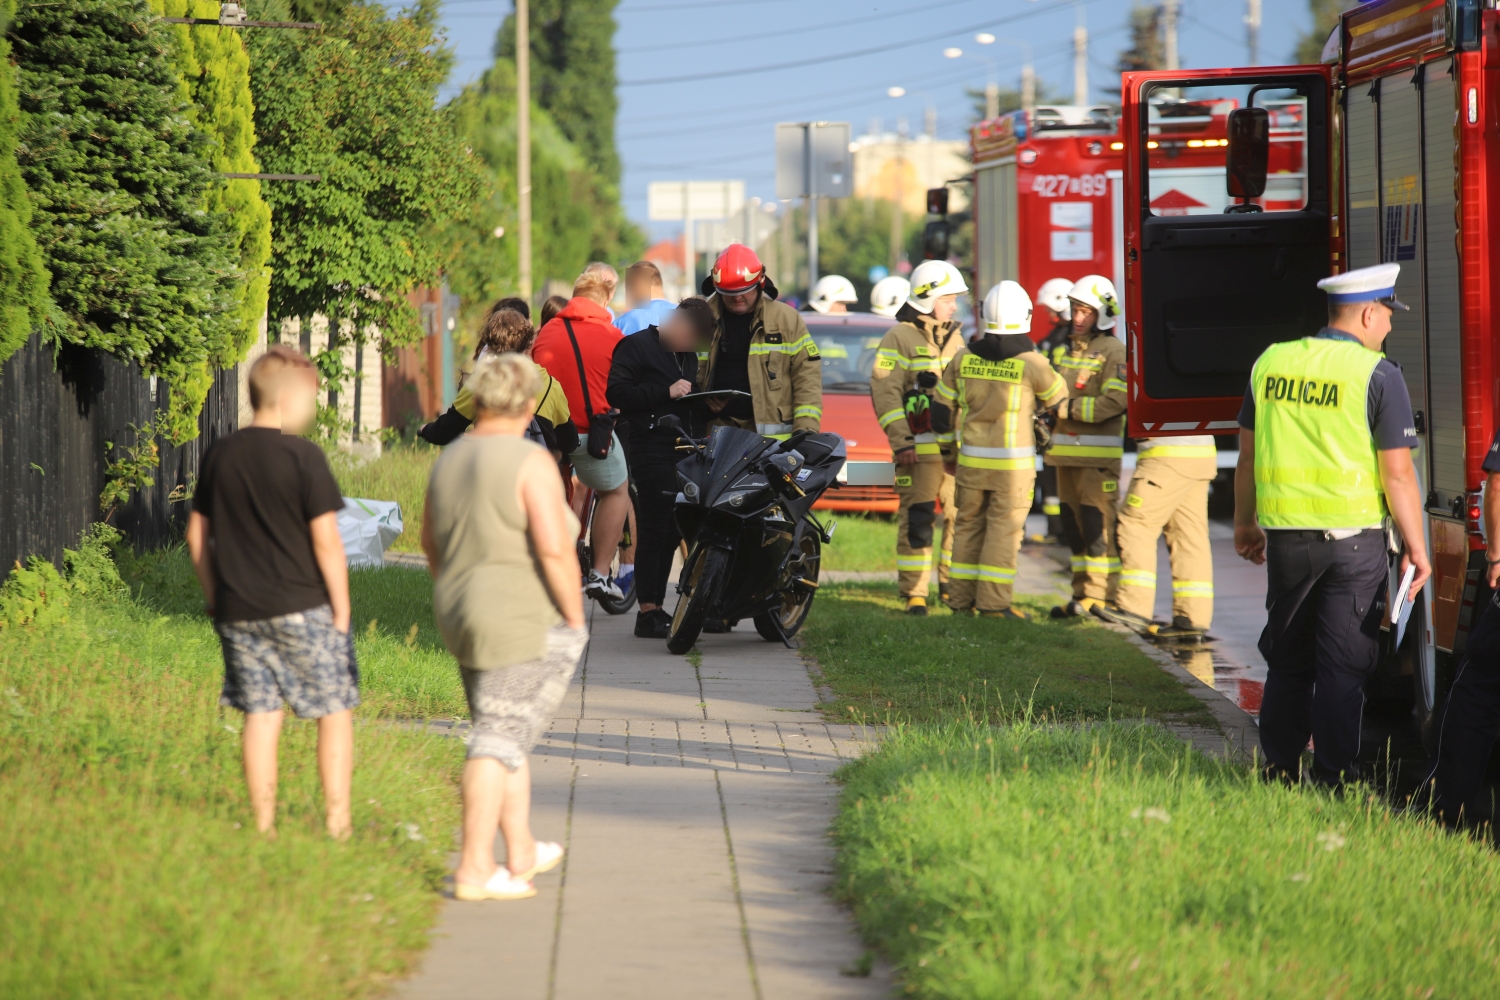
(502, 885)
(602, 586)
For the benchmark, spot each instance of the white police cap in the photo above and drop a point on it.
(1365, 284)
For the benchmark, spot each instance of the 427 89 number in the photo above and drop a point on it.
(1058, 185)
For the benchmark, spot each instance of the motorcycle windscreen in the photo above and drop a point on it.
(728, 447)
(1220, 263)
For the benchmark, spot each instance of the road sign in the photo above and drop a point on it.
(669, 201)
(813, 158)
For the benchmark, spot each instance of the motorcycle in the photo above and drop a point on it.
(744, 507)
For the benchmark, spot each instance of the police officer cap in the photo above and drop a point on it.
(1365, 284)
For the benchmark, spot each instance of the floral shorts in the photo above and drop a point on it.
(299, 658)
(509, 706)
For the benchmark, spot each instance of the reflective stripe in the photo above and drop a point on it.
(1087, 445)
(1177, 451)
(794, 347)
(815, 412)
(980, 452)
(1085, 451)
(1000, 464)
(1081, 364)
(947, 438)
(1056, 389)
(908, 563)
(979, 571)
(945, 392)
(929, 448)
(1051, 508)
(925, 438)
(1099, 563)
(1113, 385)
(770, 430)
(1085, 407)
(1138, 578)
(945, 559)
(890, 417)
(1077, 564)
(1192, 588)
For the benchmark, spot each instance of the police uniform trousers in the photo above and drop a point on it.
(992, 509)
(1163, 501)
(1320, 642)
(1089, 496)
(1470, 723)
(920, 488)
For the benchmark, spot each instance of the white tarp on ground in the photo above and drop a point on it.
(368, 528)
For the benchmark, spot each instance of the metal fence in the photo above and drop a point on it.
(58, 408)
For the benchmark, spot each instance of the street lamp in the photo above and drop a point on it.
(1028, 74)
(991, 88)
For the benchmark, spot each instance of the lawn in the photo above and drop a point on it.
(885, 666)
(1112, 861)
(400, 474)
(132, 868)
(864, 543)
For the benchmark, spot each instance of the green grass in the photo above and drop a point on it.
(866, 543)
(1113, 861)
(132, 867)
(883, 665)
(399, 474)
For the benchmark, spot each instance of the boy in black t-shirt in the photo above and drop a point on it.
(265, 543)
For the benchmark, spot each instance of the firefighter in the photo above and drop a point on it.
(1168, 496)
(832, 294)
(1053, 298)
(1089, 442)
(888, 296)
(1326, 433)
(908, 366)
(759, 346)
(995, 384)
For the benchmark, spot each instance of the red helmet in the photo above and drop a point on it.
(737, 270)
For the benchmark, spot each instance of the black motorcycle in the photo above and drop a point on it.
(754, 547)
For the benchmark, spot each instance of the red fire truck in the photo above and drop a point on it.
(1385, 153)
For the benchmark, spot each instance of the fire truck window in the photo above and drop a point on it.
(1187, 141)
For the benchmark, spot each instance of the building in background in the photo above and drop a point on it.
(893, 167)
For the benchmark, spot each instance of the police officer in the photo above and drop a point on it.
(1053, 298)
(1168, 496)
(995, 384)
(1326, 434)
(908, 365)
(1089, 443)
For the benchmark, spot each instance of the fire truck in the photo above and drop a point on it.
(1381, 153)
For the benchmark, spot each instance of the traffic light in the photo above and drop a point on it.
(937, 201)
(935, 240)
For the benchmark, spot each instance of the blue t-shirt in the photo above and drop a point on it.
(650, 314)
(1387, 403)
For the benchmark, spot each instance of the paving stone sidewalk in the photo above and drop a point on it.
(694, 802)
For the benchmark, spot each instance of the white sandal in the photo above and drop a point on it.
(548, 856)
(501, 885)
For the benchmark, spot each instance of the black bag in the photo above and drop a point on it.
(601, 425)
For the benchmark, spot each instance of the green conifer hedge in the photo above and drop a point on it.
(23, 278)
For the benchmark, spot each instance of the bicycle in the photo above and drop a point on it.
(588, 505)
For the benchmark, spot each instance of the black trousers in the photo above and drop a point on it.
(1321, 643)
(1470, 721)
(655, 477)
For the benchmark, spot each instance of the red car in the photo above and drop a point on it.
(848, 342)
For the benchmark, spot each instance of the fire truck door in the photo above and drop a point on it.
(1212, 280)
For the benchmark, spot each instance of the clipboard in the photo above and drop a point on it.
(715, 394)
(1401, 606)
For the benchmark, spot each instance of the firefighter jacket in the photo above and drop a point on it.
(995, 398)
(1092, 432)
(908, 351)
(786, 370)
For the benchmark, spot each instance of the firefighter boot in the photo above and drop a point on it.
(916, 606)
(1131, 620)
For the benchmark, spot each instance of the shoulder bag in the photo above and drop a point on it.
(601, 425)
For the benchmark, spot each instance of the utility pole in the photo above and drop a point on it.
(787, 272)
(1252, 30)
(1081, 61)
(812, 208)
(1028, 88)
(991, 100)
(1169, 31)
(898, 222)
(523, 144)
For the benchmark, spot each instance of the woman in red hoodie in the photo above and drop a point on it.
(576, 348)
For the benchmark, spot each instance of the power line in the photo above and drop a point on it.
(840, 56)
(801, 30)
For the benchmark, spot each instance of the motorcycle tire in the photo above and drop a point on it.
(700, 580)
(796, 601)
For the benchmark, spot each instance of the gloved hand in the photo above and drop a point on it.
(918, 407)
(1061, 413)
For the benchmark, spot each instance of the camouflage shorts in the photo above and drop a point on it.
(298, 658)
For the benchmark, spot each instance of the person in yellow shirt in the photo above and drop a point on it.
(995, 385)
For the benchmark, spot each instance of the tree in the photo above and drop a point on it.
(573, 79)
(23, 276)
(356, 104)
(1148, 49)
(482, 266)
(1325, 14)
(1010, 100)
(214, 71)
(120, 180)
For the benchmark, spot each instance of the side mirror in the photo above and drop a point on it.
(1249, 152)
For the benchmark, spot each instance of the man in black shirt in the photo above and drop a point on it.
(264, 540)
(733, 369)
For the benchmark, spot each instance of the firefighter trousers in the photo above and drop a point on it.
(987, 537)
(1089, 497)
(920, 488)
(1163, 501)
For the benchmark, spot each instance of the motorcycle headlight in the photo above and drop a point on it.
(690, 490)
(739, 498)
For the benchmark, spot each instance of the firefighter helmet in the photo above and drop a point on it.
(931, 280)
(1098, 293)
(1054, 295)
(737, 270)
(888, 295)
(831, 288)
(1007, 309)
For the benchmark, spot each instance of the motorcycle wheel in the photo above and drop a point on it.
(796, 601)
(699, 582)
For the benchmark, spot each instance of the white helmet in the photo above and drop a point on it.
(888, 295)
(931, 280)
(1007, 309)
(1054, 295)
(1098, 293)
(830, 289)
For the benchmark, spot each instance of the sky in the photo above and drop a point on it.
(851, 52)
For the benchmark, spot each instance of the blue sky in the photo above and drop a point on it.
(723, 127)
